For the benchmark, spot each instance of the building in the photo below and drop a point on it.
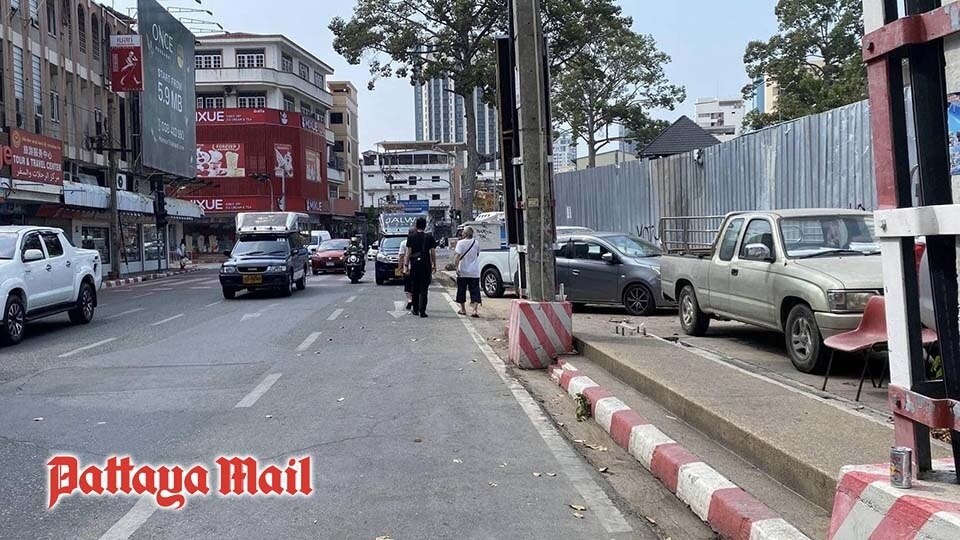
(721, 117)
(412, 176)
(765, 99)
(263, 141)
(439, 115)
(612, 157)
(54, 109)
(345, 124)
(682, 136)
(564, 154)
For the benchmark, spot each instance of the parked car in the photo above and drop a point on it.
(43, 274)
(500, 268)
(611, 269)
(329, 257)
(566, 231)
(807, 273)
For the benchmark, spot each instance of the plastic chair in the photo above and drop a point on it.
(871, 331)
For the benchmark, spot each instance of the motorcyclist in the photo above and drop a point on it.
(355, 246)
(355, 256)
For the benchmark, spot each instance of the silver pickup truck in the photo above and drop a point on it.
(807, 273)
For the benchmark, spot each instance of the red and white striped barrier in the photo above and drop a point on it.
(111, 284)
(727, 509)
(539, 332)
(867, 506)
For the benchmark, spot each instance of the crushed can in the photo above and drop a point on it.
(901, 467)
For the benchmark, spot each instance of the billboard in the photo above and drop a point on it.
(220, 160)
(168, 105)
(314, 164)
(36, 158)
(284, 154)
(126, 63)
(416, 207)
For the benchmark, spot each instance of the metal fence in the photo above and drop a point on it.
(817, 161)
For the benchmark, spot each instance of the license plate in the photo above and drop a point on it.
(331, 264)
(252, 280)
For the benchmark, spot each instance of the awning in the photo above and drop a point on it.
(179, 208)
(86, 195)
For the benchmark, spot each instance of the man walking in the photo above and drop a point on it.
(421, 263)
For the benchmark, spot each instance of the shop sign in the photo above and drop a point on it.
(223, 117)
(126, 63)
(220, 160)
(213, 205)
(311, 124)
(314, 205)
(34, 157)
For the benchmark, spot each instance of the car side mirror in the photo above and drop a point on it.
(608, 258)
(226, 253)
(758, 252)
(31, 255)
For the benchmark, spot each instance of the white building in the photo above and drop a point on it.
(412, 175)
(721, 117)
(564, 154)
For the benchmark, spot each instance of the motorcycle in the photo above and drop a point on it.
(355, 266)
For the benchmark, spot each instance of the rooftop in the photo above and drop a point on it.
(682, 136)
(238, 36)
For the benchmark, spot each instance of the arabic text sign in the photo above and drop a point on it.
(36, 158)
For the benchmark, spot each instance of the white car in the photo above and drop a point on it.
(43, 274)
(373, 251)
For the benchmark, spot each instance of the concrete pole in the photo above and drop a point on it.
(112, 165)
(535, 137)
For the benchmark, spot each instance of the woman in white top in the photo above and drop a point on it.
(468, 272)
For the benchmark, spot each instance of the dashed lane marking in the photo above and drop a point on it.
(257, 392)
(336, 313)
(308, 342)
(87, 347)
(132, 520)
(125, 313)
(168, 319)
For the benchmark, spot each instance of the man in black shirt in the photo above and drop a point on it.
(421, 263)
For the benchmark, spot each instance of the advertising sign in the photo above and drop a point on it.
(284, 153)
(213, 205)
(953, 129)
(220, 160)
(416, 207)
(168, 110)
(314, 205)
(126, 63)
(398, 224)
(314, 164)
(35, 157)
(222, 117)
(312, 124)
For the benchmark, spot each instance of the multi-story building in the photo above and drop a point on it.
(564, 154)
(765, 99)
(439, 115)
(54, 104)
(345, 123)
(263, 137)
(721, 117)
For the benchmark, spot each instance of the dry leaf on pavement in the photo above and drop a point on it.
(492, 484)
(458, 461)
(551, 474)
(579, 508)
(538, 475)
(604, 469)
(578, 515)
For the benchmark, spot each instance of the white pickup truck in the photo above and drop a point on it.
(43, 274)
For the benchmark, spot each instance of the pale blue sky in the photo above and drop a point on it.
(706, 39)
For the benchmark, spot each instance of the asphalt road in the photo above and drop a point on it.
(413, 430)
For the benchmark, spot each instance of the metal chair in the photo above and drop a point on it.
(871, 331)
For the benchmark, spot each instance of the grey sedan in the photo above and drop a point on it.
(611, 269)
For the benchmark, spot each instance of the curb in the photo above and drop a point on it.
(112, 284)
(721, 504)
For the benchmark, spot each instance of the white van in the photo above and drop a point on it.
(317, 238)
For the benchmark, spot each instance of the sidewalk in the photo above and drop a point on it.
(148, 276)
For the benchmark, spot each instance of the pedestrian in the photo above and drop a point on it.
(467, 264)
(182, 253)
(421, 263)
(407, 288)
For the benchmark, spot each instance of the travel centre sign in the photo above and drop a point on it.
(33, 158)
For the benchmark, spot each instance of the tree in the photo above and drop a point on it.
(815, 59)
(615, 79)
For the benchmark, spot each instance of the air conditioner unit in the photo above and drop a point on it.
(122, 182)
(229, 90)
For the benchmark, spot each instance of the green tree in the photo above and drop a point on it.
(815, 59)
(616, 79)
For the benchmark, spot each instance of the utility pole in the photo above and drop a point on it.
(535, 145)
(111, 153)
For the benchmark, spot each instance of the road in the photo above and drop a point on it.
(413, 430)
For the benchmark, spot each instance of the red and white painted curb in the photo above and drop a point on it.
(727, 509)
(867, 506)
(113, 283)
(539, 332)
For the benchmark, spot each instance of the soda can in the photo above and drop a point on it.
(901, 467)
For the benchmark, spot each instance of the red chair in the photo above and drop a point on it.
(871, 332)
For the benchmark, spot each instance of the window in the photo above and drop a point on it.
(306, 110)
(588, 251)
(209, 60)
(318, 79)
(338, 146)
(51, 18)
(336, 118)
(18, 86)
(54, 247)
(37, 77)
(289, 103)
(347, 115)
(250, 58)
(31, 241)
(728, 245)
(286, 63)
(435, 196)
(759, 231)
(35, 12)
(435, 178)
(15, 4)
(96, 45)
(412, 182)
(96, 238)
(82, 29)
(304, 71)
(211, 102)
(412, 198)
(252, 101)
(54, 106)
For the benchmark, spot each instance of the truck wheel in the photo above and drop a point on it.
(86, 303)
(229, 294)
(639, 301)
(492, 283)
(288, 290)
(693, 321)
(302, 282)
(380, 280)
(14, 321)
(804, 342)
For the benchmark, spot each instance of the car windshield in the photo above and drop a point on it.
(631, 246)
(391, 243)
(251, 246)
(825, 236)
(334, 245)
(8, 245)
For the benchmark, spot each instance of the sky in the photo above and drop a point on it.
(705, 38)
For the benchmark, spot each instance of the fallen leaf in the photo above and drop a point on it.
(340, 400)
(560, 424)
(38, 419)
(101, 423)
(578, 515)
(418, 439)
(493, 484)
(538, 475)
(384, 537)
(299, 354)
(458, 461)
(579, 441)
(474, 361)
(413, 339)
(316, 521)
(604, 469)
(578, 507)
(551, 474)
(651, 520)
(502, 465)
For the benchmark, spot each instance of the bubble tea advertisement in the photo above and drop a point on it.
(220, 160)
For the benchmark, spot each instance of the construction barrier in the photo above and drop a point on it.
(539, 332)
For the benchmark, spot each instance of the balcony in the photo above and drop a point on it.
(253, 76)
(335, 168)
(344, 207)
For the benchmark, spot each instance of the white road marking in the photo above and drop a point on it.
(87, 347)
(249, 316)
(257, 392)
(200, 288)
(127, 312)
(168, 319)
(132, 520)
(142, 295)
(336, 313)
(571, 465)
(308, 342)
(350, 300)
(162, 289)
(214, 304)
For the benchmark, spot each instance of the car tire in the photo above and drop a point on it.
(639, 301)
(288, 290)
(14, 321)
(693, 321)
(86, 305)
(229, 294)
(380, 280)
(578, 307)
(492, 283)
(302, 282)
(316, 272)
(804, 342)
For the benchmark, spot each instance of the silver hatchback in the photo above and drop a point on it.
(611, 269)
